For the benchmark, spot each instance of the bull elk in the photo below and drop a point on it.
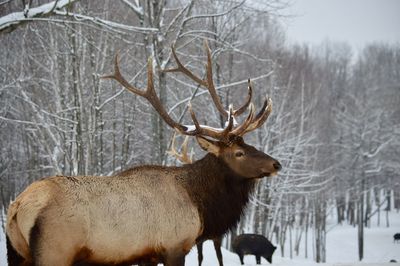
(147, 213)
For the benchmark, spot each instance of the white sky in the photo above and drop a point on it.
(357, 22)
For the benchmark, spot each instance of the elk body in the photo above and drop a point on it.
(148, 213)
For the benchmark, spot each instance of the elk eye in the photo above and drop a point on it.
(239, 153)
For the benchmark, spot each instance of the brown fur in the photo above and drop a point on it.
(219, 195)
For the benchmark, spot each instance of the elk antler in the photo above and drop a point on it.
(250, 123)
(149, 93)
(152, 97)
(183, 157)
(260, 118)
(209, 82)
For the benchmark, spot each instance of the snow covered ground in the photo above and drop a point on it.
(341, 248)
(3, 252)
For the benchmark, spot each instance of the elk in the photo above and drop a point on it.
(148, 213)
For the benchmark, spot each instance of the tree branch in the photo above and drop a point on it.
(9, 22)
(217, 14)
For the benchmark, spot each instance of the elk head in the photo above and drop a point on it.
(225, 143)
(243, 159)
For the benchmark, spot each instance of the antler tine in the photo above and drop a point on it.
(181, 68)
(241, 110)
(118, 77)
(260, 118)
(242, 128)
(213, 92)
(195, 121)
(149, 94)
(210, 83)
(173, 151)
(230, 119)
(183, 157)
(208, 131)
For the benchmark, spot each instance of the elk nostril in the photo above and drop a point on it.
(277, 166)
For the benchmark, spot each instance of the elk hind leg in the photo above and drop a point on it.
(13, 258)
(47, 250)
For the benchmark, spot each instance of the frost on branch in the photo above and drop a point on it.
(10, 21)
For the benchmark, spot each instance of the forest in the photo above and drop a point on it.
(335, 124)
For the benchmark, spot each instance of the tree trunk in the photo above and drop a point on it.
(360, 221)
(367, 220)
(388, 206)
(77, 144)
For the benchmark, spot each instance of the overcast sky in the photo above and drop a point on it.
(355, 21)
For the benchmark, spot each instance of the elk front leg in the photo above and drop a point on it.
(217, 246)
(200, 252)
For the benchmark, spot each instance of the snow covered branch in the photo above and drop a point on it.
(105, 23)
(216, 14)
(11, 21)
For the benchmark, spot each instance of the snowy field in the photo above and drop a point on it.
(341, 248)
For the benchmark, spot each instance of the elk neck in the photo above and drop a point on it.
(219, 194)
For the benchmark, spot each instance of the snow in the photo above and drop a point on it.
(55, 8)
(27, 14)
(3, 252)
(135, 6)
(191, 128)
(341, 248)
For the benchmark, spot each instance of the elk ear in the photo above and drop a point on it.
(208, 145)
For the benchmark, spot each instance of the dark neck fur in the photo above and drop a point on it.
(219, 194)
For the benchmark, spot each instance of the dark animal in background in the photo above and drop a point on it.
(252, 244)
(217, 245)
(396, 237)
(393, 261)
